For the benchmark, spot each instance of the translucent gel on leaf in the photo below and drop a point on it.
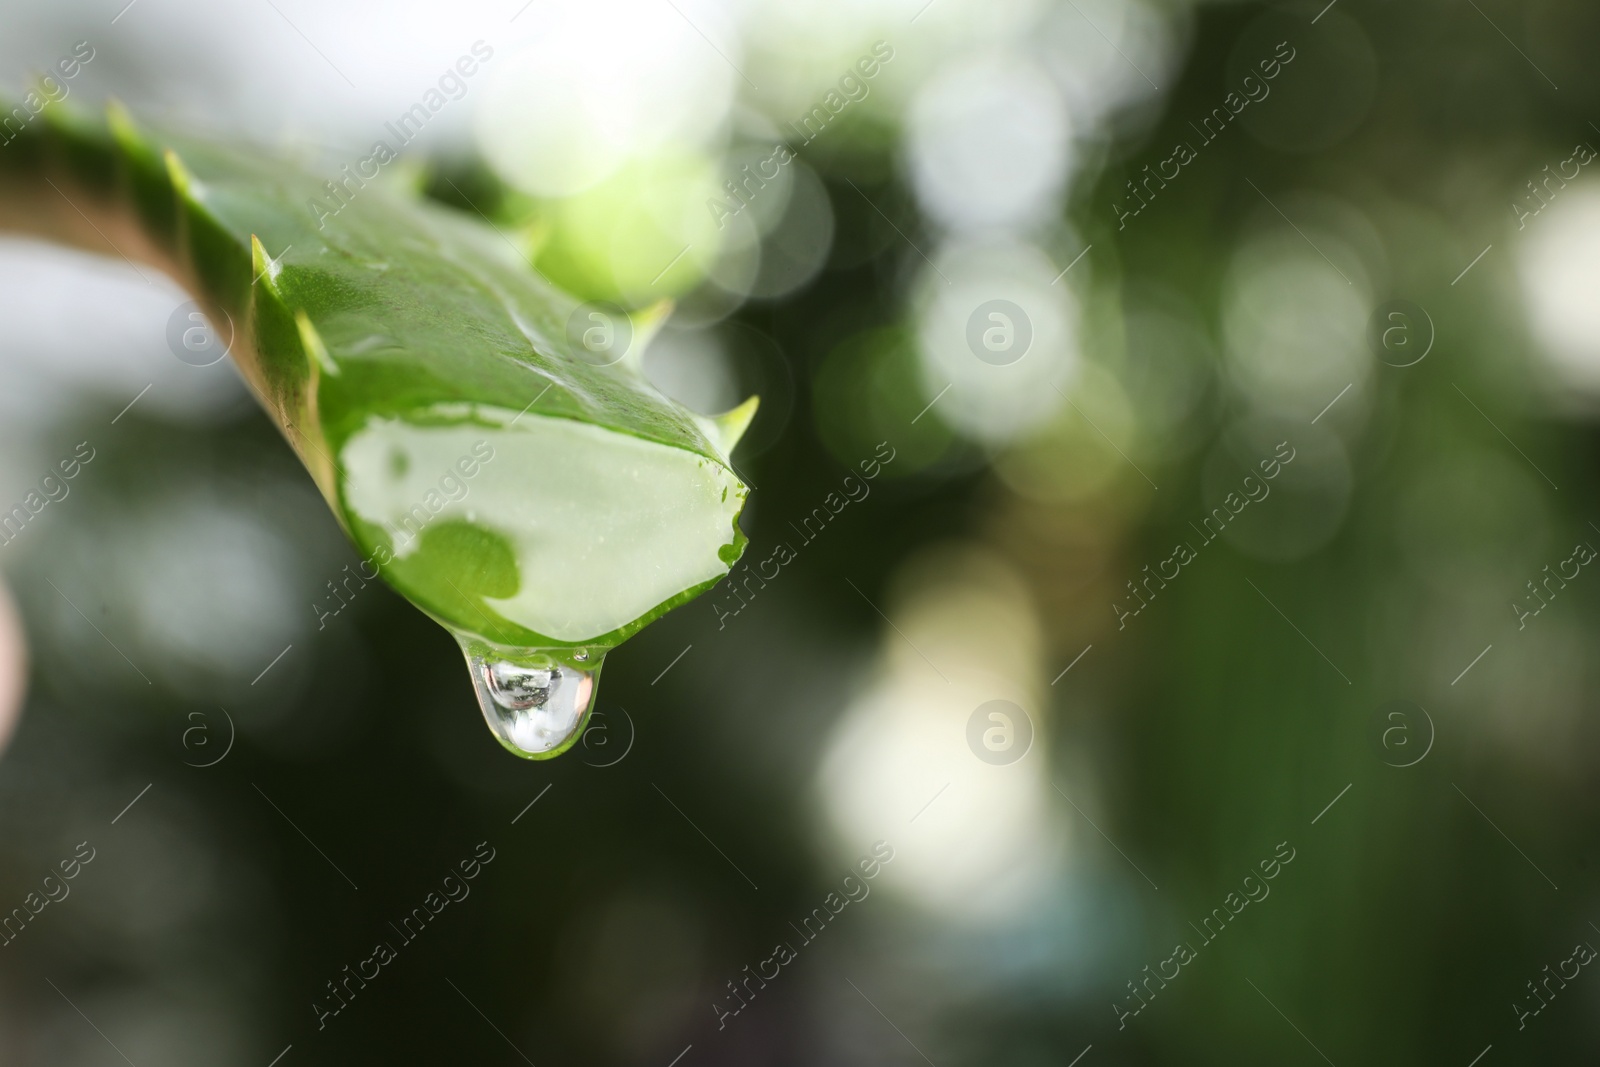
(541, 504)
(537, 705)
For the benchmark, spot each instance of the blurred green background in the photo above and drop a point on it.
(1379, 258)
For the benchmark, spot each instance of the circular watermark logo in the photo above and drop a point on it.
(194, 336)
(202, 748)
(599, 333)
(999, 732)
(999, 332)
(1401, 733)
(606, 739)
(1400, 333)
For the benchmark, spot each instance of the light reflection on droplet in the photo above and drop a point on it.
(538, 708)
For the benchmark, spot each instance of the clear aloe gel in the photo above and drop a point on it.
(542, 539)
(536, 708)
(541, 501)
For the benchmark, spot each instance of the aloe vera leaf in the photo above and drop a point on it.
(524, 497)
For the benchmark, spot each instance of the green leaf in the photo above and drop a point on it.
(526, 493)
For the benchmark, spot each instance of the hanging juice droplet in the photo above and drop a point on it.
(536, 705)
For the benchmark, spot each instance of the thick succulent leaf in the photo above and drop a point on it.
(496, 474)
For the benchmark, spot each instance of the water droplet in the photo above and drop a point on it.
(582, 655)
(537, 707)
